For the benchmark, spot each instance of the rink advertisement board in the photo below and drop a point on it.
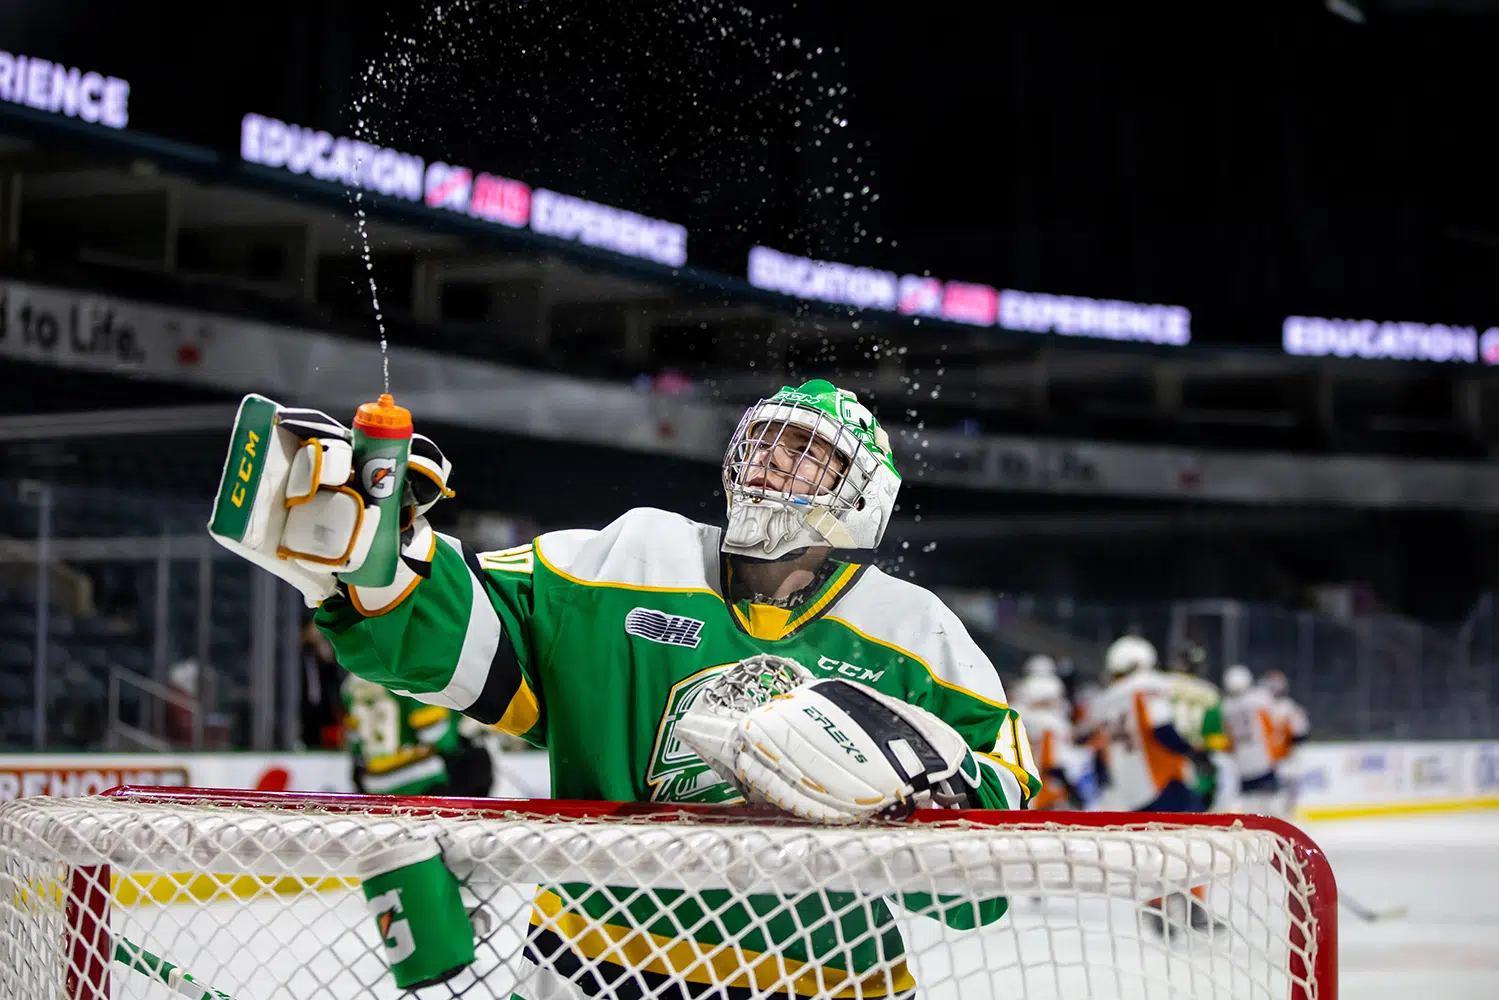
(517, 775)
(69, 775)
(1332, 780)
(1337, 780)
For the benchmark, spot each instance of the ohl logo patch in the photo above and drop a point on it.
(379, 478)
(658, 626)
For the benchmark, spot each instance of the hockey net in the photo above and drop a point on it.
(256, 896)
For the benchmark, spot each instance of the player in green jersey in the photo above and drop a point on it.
(614, 648)
(1197, 705)
(402, 746)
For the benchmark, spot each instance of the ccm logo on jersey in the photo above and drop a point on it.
(658, 626)
(851, 670)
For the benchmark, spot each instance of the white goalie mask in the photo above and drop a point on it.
(809, 466)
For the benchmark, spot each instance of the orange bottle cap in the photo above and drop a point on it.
(383, 418)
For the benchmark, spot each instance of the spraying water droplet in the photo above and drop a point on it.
(360, 224)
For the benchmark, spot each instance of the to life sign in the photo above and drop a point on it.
(59, 329)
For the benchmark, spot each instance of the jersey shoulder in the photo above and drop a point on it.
(645, 548)
(1119, 697)
(913, 620)
(1252, 699)
(1189, 687)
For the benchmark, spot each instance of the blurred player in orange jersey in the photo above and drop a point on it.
(1292, 725)
(1254, 734)
(1092, 740)
(1149, 761)
(1292, 728)
(1043, 702)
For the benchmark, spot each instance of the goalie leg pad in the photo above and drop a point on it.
(838, 752)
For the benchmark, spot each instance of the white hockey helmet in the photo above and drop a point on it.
(850, 511)
(1127, 653)
(1237, 679)
(1040, 689)
(1039, 664)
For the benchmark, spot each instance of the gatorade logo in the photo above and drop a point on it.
(379, 478)
(396, 934)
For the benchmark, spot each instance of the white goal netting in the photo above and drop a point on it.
(257, 897)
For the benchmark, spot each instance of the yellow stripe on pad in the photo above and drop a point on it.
(389, 762)
(428, 715)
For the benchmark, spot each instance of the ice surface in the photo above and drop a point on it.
(1445, 868)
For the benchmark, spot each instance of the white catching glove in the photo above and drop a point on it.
(287, 502)
(827, 750)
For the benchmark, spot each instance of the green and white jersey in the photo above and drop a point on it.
(593, 643)
(398, 742)
(1197, 709)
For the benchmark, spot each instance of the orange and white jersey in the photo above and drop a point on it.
(1254, 732)
(1128, 712)
(1051, 744)
(1291, 724)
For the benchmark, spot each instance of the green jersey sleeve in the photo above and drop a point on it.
(940, 668)
(461, 638)
(993, 730)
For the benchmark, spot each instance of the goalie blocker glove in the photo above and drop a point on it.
(834, 751)
(287, 502)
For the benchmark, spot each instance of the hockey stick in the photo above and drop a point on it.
(1368, 915)
(179, 981)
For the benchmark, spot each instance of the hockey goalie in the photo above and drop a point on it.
(661, 659)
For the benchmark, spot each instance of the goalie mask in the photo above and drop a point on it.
(809, 466)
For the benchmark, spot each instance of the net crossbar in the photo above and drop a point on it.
(256, 895)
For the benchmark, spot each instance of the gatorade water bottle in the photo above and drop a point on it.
(419, 911)
(382, 444)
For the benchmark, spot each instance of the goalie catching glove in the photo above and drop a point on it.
(288, 503)
(827, 750)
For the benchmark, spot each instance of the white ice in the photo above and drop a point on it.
(1446, 947)
(1446, 869)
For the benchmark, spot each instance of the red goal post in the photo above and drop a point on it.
(1267, 892)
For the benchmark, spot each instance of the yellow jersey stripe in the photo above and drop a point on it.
(523, 712)
(907, 653)
(640, 587)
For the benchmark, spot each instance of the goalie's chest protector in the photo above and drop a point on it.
(629, 625)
